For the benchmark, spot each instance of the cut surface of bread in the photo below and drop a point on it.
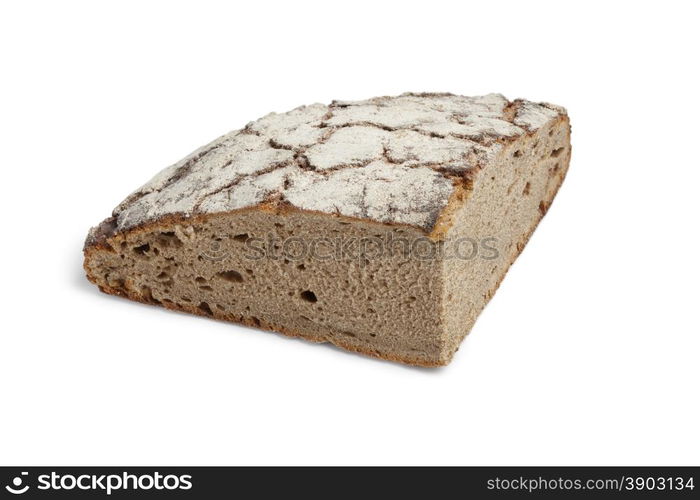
(383, 226)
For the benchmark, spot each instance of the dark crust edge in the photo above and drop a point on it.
(264, 325)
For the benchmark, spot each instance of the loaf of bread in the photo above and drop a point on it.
(383, 226)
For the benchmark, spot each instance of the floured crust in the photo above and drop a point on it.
(405, 160)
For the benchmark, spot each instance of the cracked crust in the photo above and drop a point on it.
(403, 160)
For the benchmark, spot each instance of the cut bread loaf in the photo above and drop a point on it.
(383, 226)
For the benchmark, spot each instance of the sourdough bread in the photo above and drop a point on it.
(383, 226)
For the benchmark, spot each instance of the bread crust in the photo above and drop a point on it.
(462, 187)
(400, 159)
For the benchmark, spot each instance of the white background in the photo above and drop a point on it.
(588, 354)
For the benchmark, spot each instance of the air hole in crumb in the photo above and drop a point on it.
(304, 317)
(206, 288)
(147, 295)
(411, 298)
(220, 307)
(556, 152)
(255, 321)
(118, 283)
(204, 307)
(517, 154)
(142, 250)
(349, 334)
(309, 296)
(200, 279)
(301, 267)
(232, 276)
(163, 276)
(249, 271)
(372, 334)
(169, 238)
(241, 237)
(185, 299)
(277, 224)
(526, 189)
